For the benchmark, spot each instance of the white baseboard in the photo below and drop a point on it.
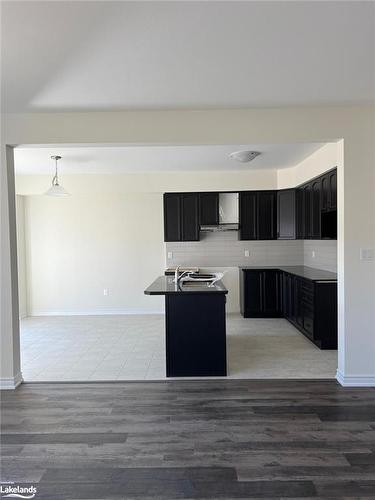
(11, 383)
(355, 380)
(96, 312)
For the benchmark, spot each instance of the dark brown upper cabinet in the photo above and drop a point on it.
(306, 212)
(306, 207)
(248, 215)
(172, 217)
(181, 217)
(329, 191)
(257, 215)
(286, 214)
(315, 209)
(190, 217)
(299, 214)
(209, 209)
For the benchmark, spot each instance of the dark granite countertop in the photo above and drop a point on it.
(308, 273)
(163, 285)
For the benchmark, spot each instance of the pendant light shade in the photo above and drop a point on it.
(56, 189)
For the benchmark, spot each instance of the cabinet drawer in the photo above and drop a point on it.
(307, 287)
(308, 300)
(308, 326)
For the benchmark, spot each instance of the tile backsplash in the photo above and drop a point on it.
(325, 254)
(224, 249)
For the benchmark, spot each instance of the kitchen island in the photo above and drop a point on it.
(194, 326)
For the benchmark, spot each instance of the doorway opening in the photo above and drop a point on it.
(85, 260)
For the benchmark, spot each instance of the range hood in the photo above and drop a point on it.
(219, 227)
(228, 214)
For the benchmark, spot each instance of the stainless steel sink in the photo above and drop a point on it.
(195, 284)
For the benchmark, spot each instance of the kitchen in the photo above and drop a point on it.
(146, 210)
(305, 296)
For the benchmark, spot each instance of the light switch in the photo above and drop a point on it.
(367, 254)
(170, 255)
(313, 254)
(106, 292)
(247, 253)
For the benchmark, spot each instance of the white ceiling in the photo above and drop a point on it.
(120, 159)
(76, 55)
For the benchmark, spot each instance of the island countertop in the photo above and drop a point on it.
(309, 273)
(164, 285)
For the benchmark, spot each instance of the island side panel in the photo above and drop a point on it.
(195, 335)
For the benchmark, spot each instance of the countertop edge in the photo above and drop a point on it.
(287, 269)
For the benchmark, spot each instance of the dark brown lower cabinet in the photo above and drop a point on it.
(260, 293)
(311, 306)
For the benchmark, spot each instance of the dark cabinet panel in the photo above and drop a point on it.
(315, 209)
(299, 214)
(288, 308)
(332, 182)
(324, 192)
(312, 308)
(248, 215)
(270, 289)
(172, 217)
(266, 215)
(251, 300)
(258, 215)
(260, 293)
(307, 211)
(195, 335)
(190, 217)
(286, 214)
(329, 191)
(181, 221)
(209, 208)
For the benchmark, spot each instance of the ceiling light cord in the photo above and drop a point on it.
(55, 179)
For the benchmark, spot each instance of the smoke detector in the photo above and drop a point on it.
(244, 156)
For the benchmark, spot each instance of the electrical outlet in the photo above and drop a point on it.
(313, 254)
(247, 253)
(106, 292)
(367, 254)
(170, 255)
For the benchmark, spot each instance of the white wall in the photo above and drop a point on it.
(356, 186)
(108, 234)
(81, 245)
(21, 256)
(325, 158)
(153, 182)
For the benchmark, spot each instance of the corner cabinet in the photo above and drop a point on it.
(257, 215)
(311, 306)
(260, 293)
(316, 207)
(181, 217)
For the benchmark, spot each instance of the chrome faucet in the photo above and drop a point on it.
(176, 274)
(177, 277)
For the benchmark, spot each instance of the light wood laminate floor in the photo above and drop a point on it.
(217, 439)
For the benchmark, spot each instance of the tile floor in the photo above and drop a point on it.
(85, 348)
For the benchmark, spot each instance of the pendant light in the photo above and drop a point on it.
(56, 189)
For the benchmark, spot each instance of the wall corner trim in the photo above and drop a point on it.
(355, 380)
(11, 383)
